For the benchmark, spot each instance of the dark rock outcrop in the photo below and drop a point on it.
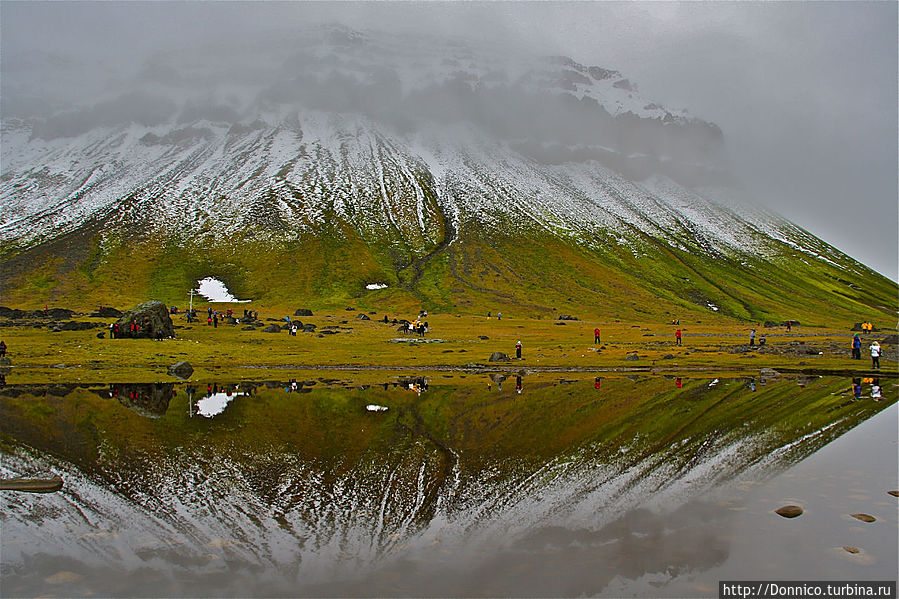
(303, 312)
(272, 328)
(362, 316)
(106, 312)
(631, 358)
(498, 357)
(182, 370)
(567, 317)
(152, 319)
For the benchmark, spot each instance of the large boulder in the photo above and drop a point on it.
(498, 356)
(303, 312)
(272, 328)
(150, 400)
(153, 322)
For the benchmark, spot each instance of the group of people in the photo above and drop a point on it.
(874, 348)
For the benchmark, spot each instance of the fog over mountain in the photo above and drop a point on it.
(794, 104)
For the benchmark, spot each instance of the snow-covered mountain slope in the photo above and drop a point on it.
(410, 145)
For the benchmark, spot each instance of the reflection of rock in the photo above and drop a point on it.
(182, 370)
(498, 356)
(864, 517)
(789, 511)
(152, 319)
(769, 372)
(147, 399)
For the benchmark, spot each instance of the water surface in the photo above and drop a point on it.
(466, 485)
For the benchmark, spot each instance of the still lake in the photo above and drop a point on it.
(447, 485)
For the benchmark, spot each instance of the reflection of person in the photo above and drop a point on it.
(678, 382)
(857, 388)
(875, 390)
(597, 383)
(518, 383)
(875, 355)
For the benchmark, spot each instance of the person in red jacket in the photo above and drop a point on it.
(596, 337)
(677, 340)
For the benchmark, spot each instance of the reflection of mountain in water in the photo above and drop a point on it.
(319, 490)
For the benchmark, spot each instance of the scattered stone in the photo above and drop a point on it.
(362, 316)
(497, 378)
(248, 328)
(498, 357)
(182, 370)
(348, 309)
(73, 325)
(768, 372)
(894, 493)
(559, 323)
(106, 312)
(272, 328)
(668, 357)
(101, 335)
(376, 408)
(303, 312)
(864, 517)
(309, 328)
(153, 322)
(567, 317)
(631, 357)
(851, 549)
(483, 337)
(890, 340)
(789, 511)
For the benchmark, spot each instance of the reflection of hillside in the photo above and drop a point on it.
(315, 474)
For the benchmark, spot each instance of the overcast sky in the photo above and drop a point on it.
(805, 92)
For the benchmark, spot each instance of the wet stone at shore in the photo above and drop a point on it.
(864, 517)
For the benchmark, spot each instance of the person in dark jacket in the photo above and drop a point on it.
(2, 349)
(856, 348)
(518, 350)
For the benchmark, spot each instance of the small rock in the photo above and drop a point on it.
(498, 357)
(851, 549)
(272, 328)
(668, 357)
(894, 493)
(248, 328)
(362, 316)
(789, 511)
(483, 337)
(303, 312)
(768, 372)
(864, 517)
(631, 358)
(567, 317)
(182, 370)
(5, 361)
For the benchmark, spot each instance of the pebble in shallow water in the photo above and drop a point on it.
(864, 517)
(789, 511)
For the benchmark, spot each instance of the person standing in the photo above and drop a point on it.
(875, 355)
(215, 320)
(789, 325)
(518, 350)
(596, 337)
(2, 349)
(856, 348)
(751, 337)
(677, 340)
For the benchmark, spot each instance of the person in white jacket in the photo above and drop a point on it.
(875, 355)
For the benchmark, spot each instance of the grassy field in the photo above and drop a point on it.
(711, 345)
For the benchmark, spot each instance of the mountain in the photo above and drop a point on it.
(306, 166)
